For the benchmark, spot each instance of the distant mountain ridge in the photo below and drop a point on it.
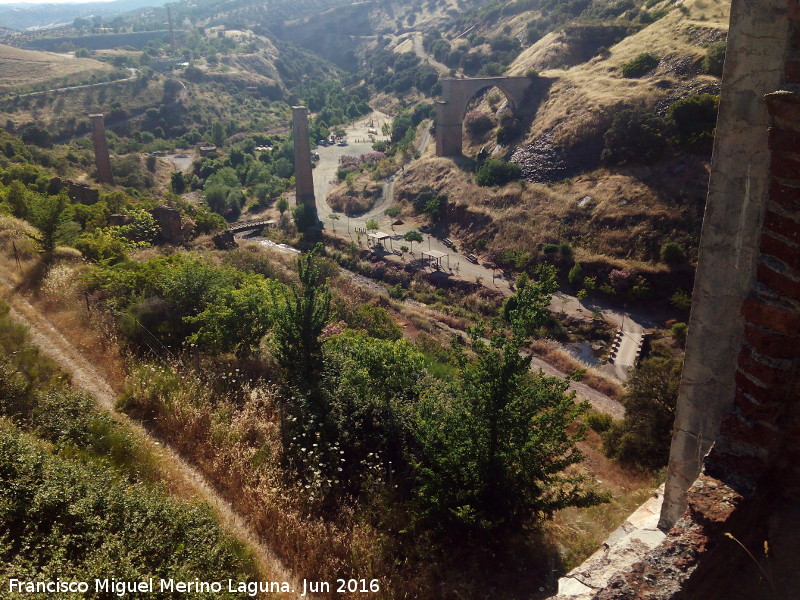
(41, 16)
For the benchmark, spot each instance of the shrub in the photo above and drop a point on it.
(679, 331)
(635, 135)
(681, 300)
(497, 172)
(575, 275)
(639, 66)
(695, 119)
(715, 58)
(478, 122)
(600, 422)
(672, 254)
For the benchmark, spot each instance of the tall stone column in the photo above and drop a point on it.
(737, 196)
(101, 156)
(304, 180)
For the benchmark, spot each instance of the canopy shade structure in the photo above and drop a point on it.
(436, 256)
(380, 237)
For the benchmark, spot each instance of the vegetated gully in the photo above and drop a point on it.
(87, 378)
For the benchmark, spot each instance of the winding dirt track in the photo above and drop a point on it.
(87, 378)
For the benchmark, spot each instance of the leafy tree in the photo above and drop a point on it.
(643, 437)
(636, 135)
(372, 225)
(218, 133)
(695, 120)
(50, 215)
(411, 237)
(575, 275)
(238, 318)
(495, 452)
(282, 204)
(178, 182)
(300, 314)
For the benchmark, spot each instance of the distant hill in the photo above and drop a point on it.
(42, 16)
(28, 69)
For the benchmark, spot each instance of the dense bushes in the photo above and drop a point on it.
(497, 172)
(636, 135)
(643, 437)
(695, 119)
(714, 59)
(77, 507)
(640, 66)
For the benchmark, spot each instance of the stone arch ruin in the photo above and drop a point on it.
(456, 94)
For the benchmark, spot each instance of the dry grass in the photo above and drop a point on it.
(579, 532)
(554, 355)
(29, 69)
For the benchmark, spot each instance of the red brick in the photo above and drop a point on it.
(792, 71)
(778, 282)
(757, 411)
(771, 376)
(776, 318)
(784, 140)
(784, 166)
(785, 196)
(788, 228)
(754, 433)
(784, 251)
(793, 10)
(771, 343)
(744, 385)
(784, 107)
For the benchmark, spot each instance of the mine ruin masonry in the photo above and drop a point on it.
(101, 157)
(456, 94)
(732, 496)
(304, 179)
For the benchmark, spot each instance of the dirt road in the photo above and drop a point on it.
(87, 378)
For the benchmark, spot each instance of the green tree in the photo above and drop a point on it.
(715, 58)
(639, 66)
(575, 275)
(50, 215)
(300, 313)
(282, 205)
(495, 452)
(413, 236)
(178, 182)
(695, 119)
(238, 318)
(643, 437)
(372, 225)
(218, 133)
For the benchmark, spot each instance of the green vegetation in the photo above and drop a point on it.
(75, 490)
(673, 254)
(635, 135)
(714, 59)
(640, 66)
(497, 172)
(695, 119)
(643, 437)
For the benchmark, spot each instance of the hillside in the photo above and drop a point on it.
(612, 215)
(24, 70)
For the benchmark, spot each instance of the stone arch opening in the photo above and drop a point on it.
(456, 95)
(489, 112)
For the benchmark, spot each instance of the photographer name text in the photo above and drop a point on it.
(153, 585)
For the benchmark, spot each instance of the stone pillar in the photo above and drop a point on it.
(448, 121)
(754, 66)
(304, 180)
(101, 156)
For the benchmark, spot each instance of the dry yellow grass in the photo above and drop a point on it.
(29, 69)
(584, 98)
